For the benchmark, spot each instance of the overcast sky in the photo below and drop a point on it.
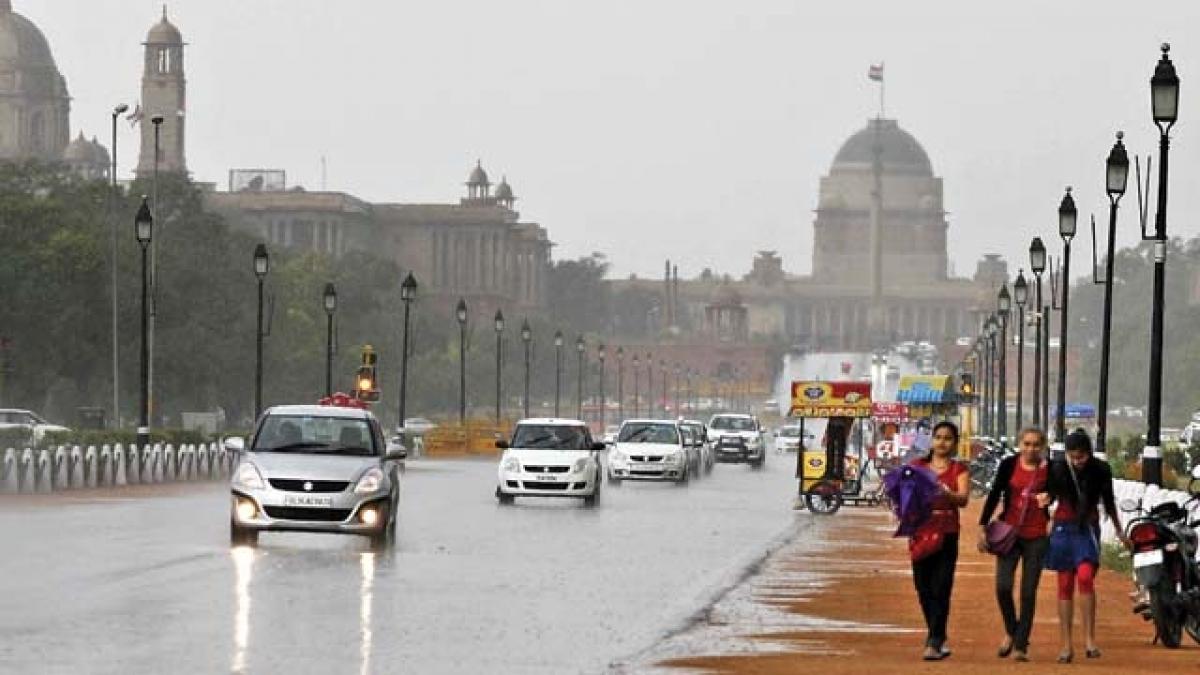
(652, 128)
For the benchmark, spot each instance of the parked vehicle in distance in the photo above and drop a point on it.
(315, 468)
(737, 437)
(16, 418)
(649, 450)
(419, 425)
(550, 457)
(707, 458)
(789, 438)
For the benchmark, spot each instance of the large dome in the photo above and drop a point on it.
(901, 153)
(26, 64)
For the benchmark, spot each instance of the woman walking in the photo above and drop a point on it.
(935, 546)
(1079, 484)
(1017, 536)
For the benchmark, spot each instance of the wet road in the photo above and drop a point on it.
(149, 583)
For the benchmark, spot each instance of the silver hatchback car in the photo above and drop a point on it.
(315, 469)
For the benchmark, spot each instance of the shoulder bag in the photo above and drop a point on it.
(1002, 535)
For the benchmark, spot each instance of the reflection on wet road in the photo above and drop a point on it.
(150, 584)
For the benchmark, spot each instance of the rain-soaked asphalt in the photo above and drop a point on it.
(149, 584)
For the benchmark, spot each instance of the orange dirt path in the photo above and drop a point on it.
(869, 581)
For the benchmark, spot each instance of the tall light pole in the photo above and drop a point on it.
(498, 323)
(1037, 264)
(651, 405)
(1051, 305)
(112, 214)
(1067, 216)
(637, 363)
(558, 345)
(600, 353)
(620, 384)
(1116, 175)
(460, 314)
(408, 293)
(1020, 296)
(157, 121)
(143, 229)
(662, 365)
(579, 347)
(262, 265)
(1003, 306)
(527, 340)
(989, 391)
(1164, 98)
(329, 300)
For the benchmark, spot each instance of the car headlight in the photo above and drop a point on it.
(371, 481)
(512, 464)
(580, 465)
(247, 476)
(616, 456)
(672, 458)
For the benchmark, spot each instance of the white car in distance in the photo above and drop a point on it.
(550, 457)
(649, 450)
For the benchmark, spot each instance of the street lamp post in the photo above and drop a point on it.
(989, 389)
(1004, 305)
(600, 356)
(329, 300)
(1020, 296)
(620, 384)
(262, 265)
(579, 347)
(1037, 264)
(460, 313)
(408, 293)
(1164, 96)
(1067, 216)
(112, 214)
(498, 323)
(143, 227)
(527, 340)
(1116, 175)
(662, 366)
(558, 345)
(636, 378)
(650, 403)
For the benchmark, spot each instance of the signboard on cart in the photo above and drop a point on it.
(815, 398)
(889, 412)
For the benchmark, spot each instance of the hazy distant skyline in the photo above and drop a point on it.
(646, 130)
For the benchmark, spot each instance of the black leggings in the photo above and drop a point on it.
(1030, 554)
(934, 579)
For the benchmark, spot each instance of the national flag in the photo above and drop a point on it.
(135, 117)
(875, 72)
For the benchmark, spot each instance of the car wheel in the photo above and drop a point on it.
(502, 497)
(684, 477)
(593, 499)
(240, 536)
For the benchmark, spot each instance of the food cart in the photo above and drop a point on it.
(831, 473)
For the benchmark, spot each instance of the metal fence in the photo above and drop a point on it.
(29, 471)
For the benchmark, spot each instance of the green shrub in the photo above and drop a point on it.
(1115, 557)
(15, 438)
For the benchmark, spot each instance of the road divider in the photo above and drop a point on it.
(64, 468)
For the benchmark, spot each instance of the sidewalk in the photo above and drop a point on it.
(865, 578)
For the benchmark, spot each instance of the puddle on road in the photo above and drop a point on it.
(744, 620)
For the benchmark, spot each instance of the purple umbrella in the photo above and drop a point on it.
(912, 491)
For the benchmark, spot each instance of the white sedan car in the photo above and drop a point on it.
(15, 418)
(649, 450)
(550, 457)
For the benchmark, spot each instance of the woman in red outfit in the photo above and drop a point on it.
(933, 575)
(1019, 479)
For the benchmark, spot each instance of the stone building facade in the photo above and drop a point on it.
(35, 107)
(164, 95)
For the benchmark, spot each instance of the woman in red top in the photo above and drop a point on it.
(933, 575)
(1019, 479)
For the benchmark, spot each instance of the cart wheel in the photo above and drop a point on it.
(824, 499)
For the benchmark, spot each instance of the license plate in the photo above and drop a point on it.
(548, 479)
(1148, 558)
(307, 500)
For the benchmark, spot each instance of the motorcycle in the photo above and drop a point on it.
(984, 467)
(1164, 563)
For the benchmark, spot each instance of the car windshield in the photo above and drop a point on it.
(790, 432)
(732, 423)
(551, 437)
(649, 432)
(315, 434)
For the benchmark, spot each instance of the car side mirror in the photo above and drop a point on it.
(395, 450)
(599, 446)
(501, 444)
(235, 444)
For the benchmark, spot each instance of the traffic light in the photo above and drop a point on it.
(967, 385)
(366, 384)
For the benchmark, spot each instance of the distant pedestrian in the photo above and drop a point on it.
(934, 548)
(1017, 536)
(1079, 483)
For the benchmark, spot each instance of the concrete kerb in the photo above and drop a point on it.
(47, 470)
(8, 472)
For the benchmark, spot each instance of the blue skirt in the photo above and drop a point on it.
(1070, 545)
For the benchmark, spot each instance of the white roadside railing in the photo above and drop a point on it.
(1149, 496)
(72, 467)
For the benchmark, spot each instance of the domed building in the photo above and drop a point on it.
(87, 158)
(35, 107)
